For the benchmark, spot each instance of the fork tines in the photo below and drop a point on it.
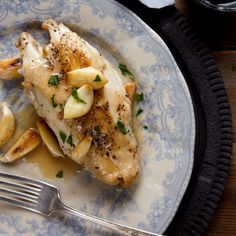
(18, 190)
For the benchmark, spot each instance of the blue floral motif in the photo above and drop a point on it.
(143, 226)
(3, 10)
(57, 226)
(13, 221)
(17, 6)
(101, 200)
(123, 199)
(145, 171)
(98, 7)
(127, 24)
(119, 199)
(158, 210)
(173, 147)
(46, 6)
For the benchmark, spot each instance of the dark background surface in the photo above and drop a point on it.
(219, 32)
(217, 29)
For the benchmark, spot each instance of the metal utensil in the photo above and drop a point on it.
(45, 199)
(217, 5)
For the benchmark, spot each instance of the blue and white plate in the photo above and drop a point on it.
(166, 147)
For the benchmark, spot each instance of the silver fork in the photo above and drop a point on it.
(45, 199)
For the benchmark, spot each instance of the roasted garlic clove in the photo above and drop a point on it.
(130, 90)
(27, 142)
(79, 103)
(7, 123)
(49, 139)
(9, 68)
(81, 150)
(88, 75)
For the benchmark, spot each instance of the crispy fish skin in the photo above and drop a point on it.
(113, 156)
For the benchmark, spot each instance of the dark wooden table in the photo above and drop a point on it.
(218, 30)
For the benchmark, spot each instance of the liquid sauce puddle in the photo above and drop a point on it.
(49, 166)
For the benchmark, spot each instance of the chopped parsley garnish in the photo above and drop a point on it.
(121, 127)
(97, 129)
(59, 174)
(63, 136)
(70, 141)
(97, 79)
(54, 104)
(54, 80)
(76, 96)
(139, 111)
(145, 127)
(124, 70)
(139, 97)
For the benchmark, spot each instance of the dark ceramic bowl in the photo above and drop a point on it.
(218, 5)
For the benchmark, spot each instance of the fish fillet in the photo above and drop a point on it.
(113, 156)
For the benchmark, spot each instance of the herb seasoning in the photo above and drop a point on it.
(54, 80)
(97, 79)
(76, 96)
(121, 127)
(124, 70)
(60, 174)
(63, 136)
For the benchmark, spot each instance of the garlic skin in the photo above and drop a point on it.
(87, 75)
(75, 109)
(7, 123)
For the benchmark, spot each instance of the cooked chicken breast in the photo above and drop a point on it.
(105, 133)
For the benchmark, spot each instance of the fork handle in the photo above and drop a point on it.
(106, 223)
